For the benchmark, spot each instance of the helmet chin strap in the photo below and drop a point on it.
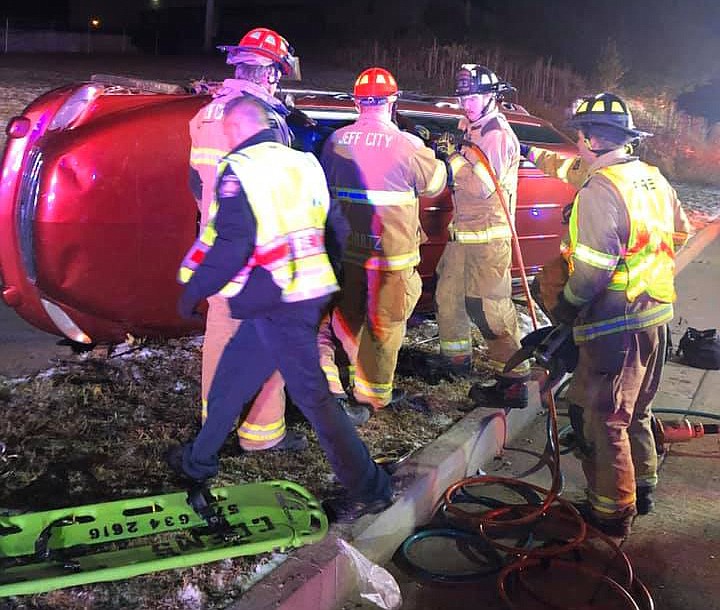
(484, 111)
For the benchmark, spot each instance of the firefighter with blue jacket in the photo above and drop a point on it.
(625, 226)
(268, 248)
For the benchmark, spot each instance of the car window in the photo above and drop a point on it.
(434, 123)
(311, 135)
(538, 134)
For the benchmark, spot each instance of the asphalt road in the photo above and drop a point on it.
(24, 350)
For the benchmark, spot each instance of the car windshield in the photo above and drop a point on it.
(538, 134)
(311, 135)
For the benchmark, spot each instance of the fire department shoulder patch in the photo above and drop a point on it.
(229, 186)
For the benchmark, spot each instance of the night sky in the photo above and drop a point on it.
(671, 44)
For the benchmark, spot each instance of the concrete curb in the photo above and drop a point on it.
(319, 577)
(697, 244)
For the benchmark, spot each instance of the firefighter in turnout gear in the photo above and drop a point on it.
(625, 227)
(260, 59)
(474, 281)
(268, 248)
(377, 172)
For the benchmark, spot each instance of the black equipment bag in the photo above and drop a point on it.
(700, 348)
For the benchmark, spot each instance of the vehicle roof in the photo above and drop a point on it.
(309, 99)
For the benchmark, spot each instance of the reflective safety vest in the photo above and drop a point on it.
(647, 264)
(288, 196)
(209, 142)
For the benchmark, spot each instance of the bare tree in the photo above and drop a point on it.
(609, 69)
(209, 25)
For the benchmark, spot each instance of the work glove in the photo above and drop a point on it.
(186, 306)
(445, 145)
(524, 150)
(564, 312)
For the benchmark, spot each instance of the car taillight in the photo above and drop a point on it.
(74, 106)
(18, 127)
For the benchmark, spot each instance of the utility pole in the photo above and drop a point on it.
(209, 25)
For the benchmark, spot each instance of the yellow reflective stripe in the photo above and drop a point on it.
(456, 162)
(482, 237)
(275, 425)
(382, 263)
(376, 198)
(572, 297)
(654, 316)
(461, 347)
(206, 156)
(266, 436)
(437, 182)
(523, 368)
(608, 506)
(262, 432)
(648, 480)
(331, 374)
(209, 235)
(482, 172)
(378, 391)
(622, 278)
(185, 274)
(496, 365)
(595, 258)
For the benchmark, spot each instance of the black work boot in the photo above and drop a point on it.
(441, 367)
(397, 397)
(645, 500)
(615, 526)
(506, 392)
(174, 460)
(292, 441)
(346, 509)
(358, 412)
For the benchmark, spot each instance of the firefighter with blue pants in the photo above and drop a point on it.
(269, 249)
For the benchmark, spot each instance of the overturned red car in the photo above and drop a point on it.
(96, 213)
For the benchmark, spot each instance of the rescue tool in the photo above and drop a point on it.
(114, 540)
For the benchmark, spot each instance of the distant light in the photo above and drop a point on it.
(95, 22)
(535, 212)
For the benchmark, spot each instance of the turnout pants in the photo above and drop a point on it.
(615, 381)
(264, 423)
(370, 321)
(474, 284)
(285, 340)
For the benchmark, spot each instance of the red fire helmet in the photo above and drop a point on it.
(375, 83)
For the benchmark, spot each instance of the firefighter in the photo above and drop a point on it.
(267, 248)
(625, 226)
(260, 59)
(474, 272)
(377, 172)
